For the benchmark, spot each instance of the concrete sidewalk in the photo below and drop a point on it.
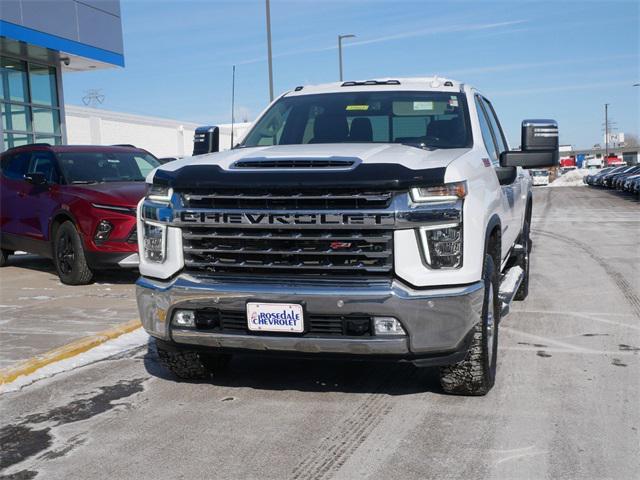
(38, 313)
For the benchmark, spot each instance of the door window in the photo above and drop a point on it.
(487, 135)
(495, 126)
(15, 166)
(44, 163)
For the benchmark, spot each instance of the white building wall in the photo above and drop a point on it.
(162, 137)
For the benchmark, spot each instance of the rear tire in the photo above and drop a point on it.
(524, 262)
(69, 258)
(4, 256)
(191, 364)
(476, 374)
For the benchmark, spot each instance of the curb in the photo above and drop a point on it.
(69, 350)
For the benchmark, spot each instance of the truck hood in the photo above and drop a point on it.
(368, 153)
(121, 194)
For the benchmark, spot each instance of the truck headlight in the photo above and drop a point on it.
(449, 192)
(154, 241)
(442, 245)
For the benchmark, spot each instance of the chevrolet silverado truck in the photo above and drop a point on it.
(382, 219)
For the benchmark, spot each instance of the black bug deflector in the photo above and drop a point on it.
(374, 175)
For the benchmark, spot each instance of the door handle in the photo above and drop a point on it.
(22, 194)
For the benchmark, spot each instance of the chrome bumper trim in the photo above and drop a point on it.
(436, 320)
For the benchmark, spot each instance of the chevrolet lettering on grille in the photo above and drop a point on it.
(297, 219)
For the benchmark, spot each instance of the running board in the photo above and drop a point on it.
(509, 285)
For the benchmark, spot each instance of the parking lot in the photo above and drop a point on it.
(565, 404)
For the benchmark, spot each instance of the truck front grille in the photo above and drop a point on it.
(229, 321)
(315, 199)
(288, 251)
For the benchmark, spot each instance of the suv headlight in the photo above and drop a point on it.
(154, 241)
(442, 245)
(449, 192)
(160, 194)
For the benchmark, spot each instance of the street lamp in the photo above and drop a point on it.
(340, 37)
(269, 56)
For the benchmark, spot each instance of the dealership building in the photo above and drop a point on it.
(39, 41)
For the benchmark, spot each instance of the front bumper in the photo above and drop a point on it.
(108, 260)
(438, 321)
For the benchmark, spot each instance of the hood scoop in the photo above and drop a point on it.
(323, 163)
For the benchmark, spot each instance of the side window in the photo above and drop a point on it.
(495, 125)
(144, 166)
(487, 136)
(15, 166)
(44, 163)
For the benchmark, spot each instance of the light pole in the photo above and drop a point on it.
(269, 51)
(340, 37)
(606, 131)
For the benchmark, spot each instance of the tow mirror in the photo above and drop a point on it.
(206, 140)
(539, 146)
(37, 179)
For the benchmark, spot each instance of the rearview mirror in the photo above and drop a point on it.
(206, 140)
(36, 178)
(539, 146)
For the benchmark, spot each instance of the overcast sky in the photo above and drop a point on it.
(560, 60)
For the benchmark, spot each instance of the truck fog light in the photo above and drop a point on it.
(154, 242)
(387, 326)
(184, 318)
(442, 245)
(103, 230)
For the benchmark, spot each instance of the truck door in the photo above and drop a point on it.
(518, 186)
(505, 178)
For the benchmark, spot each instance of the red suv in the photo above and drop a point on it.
(74, 204)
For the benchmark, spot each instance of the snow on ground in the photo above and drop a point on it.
(108, 349)
(572, 178)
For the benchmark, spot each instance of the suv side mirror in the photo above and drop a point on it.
(539, 146)
(206, 140)
(37, 179)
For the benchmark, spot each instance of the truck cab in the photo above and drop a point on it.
(383, 219)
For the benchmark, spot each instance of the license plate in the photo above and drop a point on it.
(275, 317)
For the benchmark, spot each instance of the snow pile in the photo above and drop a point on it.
(573, 178)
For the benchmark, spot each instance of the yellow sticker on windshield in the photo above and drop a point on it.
(357, 107)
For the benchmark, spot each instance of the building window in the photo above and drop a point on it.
(30, 105)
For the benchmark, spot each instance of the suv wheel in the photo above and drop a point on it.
(68, 256)
(476, 374)
(523, 262)
(4, 256)
(190, 364)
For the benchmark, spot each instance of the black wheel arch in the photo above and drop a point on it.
(492, 239)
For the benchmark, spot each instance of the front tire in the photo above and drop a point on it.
(476, 374)
(69, 258)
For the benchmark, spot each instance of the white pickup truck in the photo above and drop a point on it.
(381, 219)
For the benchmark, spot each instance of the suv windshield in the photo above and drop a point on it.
(421, 119)
(88, 167)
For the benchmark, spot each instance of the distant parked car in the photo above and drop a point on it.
(630, 182)
(602, 180)
(610, 179)
(540, 177)
(618, 180)
(73, 204)
(591, 178)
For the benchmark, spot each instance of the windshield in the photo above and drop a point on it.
(91, 167)
(540, 173)
(422, 119)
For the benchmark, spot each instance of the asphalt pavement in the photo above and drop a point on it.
(565, 405)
